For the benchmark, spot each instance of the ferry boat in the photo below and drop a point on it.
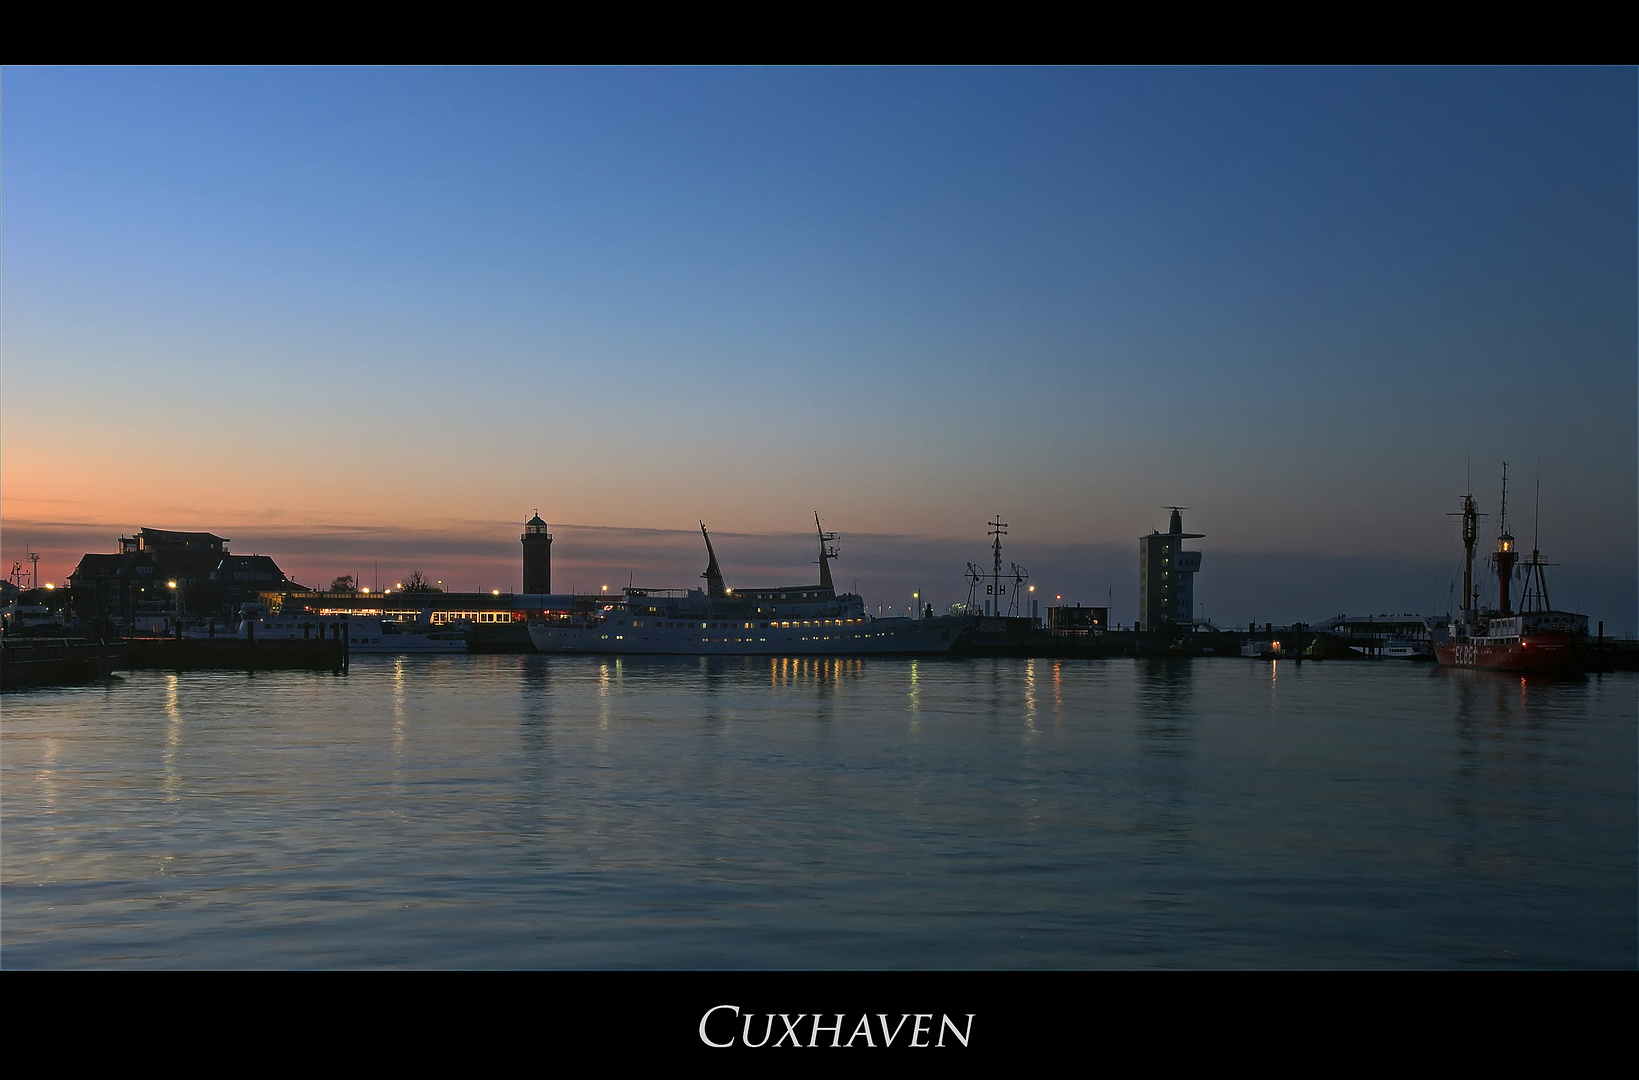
(1537, 637)
(720, 621)
(364, 633)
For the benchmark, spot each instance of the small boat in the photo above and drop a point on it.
(1397, 648)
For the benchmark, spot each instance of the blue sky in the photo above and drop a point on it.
(1297, 301)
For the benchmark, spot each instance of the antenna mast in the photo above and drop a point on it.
(998, 529)
(1471, 536)
(1021, 579)
(1534, 593)
(1505, 556)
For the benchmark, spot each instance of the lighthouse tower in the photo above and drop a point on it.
(537, 556)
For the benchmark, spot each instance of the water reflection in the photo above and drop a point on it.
(1165, 730)
(171, 777)
(583, 812)
(818, 672)
(1164, 706)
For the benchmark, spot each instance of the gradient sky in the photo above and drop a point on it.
(340, 314)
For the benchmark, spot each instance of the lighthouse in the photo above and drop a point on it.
(537, 556)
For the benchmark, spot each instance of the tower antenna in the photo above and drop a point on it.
(998, 529)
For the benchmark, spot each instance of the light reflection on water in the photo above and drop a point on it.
(811, 812)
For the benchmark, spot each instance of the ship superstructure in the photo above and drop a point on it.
(1536, 636)
(720, 620)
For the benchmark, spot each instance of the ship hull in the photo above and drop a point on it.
(880, 637)
(1533, 652)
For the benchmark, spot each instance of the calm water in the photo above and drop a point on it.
(544, 811)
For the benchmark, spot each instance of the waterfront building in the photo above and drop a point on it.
(1166, 574)
(158, 570)
(1078, 620)
(436, 608)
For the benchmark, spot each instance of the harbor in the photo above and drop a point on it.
(217, 610)
(686, 528)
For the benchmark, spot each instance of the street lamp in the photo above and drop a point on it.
(176, 604)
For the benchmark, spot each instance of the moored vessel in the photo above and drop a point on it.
(361, 633)
(1536, 637)
(719, 621)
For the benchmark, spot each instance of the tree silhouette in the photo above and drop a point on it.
(419, 582)
(342, 584)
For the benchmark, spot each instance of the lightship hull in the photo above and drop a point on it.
(1532, 652)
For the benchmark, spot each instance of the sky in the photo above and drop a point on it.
(368, 321)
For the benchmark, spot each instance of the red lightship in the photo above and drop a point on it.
(1534, 638)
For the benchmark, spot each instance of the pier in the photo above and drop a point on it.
(235, 654)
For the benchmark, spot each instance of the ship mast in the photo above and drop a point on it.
(1505, 556)
(1534, 590)
(713, 575)
(1471, 535)
(998, 529)
(828, 551)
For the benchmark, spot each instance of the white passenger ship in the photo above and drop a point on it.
(717, 620)
(364, 633)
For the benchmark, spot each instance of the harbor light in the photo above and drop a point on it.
(497, 592)
(170, 584)
(49, 585)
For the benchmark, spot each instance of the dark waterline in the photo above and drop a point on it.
(505, 811)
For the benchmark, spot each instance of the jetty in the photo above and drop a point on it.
(43, 661)
(235, 654)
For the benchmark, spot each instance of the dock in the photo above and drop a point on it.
(40, 661)
(235, 654)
